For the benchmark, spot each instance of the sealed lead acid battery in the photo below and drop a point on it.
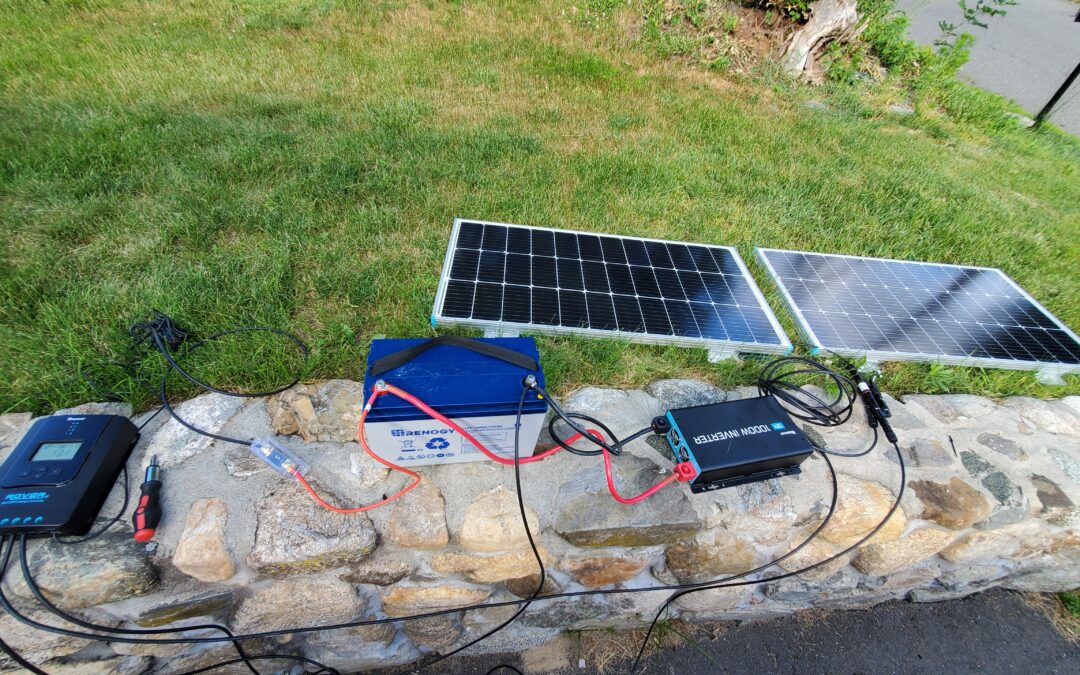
(475, 382)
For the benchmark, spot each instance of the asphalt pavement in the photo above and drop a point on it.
(989, 633)
(1024, 55)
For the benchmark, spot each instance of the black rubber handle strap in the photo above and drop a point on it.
(391, 361)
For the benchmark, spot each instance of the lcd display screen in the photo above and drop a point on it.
(55, 452)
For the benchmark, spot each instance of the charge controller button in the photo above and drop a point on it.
(38, 519)
(15, 521)
(5, 521)
(55, 472)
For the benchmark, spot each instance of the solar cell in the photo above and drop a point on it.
(914, 311)
(509, 278)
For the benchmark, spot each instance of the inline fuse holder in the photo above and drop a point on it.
(278, 457)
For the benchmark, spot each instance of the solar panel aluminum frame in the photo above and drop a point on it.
(1048, 372)
(717, 349)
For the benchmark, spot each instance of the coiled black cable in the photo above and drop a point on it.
(786, 380)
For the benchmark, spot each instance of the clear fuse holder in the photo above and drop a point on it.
(278, 457)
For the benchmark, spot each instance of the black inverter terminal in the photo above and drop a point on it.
(737, 442)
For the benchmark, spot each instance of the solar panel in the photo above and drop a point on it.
(509, 278)
(903, 310)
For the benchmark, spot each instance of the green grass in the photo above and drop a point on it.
(298, 165)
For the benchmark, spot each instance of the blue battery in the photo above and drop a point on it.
(480, 392)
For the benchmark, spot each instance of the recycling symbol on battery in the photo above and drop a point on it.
(437, 443)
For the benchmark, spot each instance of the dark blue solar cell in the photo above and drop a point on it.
(543, 243)
(635, 252)
(492, 267)
(703, 259)
(518, 269)
(545, 306)
(494, 238)
(589, 247)
(682, 318)
(570, 274)
(573, 312)
(613, 250)
(655, 316)
(566, 245)
(658, 254)
(620, 279)
(543, 272)
(628, 313)
(519, 240)
(459, 299)
(601, 311)
(464, 265)
(488, 302)
(726, 261)
(708, 321)
(680, 256)
(596, 278)
(470, 235)
(645, 281)
(517, 304)
(668, 281)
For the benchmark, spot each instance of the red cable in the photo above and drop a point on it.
(680, 473)
(367, 449)
(425, 408)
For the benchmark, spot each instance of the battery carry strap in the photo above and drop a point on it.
(392, 361)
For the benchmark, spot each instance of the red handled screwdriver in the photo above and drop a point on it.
(148, 514)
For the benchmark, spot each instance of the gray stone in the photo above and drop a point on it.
(1067, 463)
(926, 452)
(418, 519)
(901, 110)
(975, 465)
(110, 568)
(123, 665)
(294, 534)
(352, 649)
(816, 105)
(240, 462)
(370, 472)
(104, 408)
(435, 632)
(1010, 506)
(815, 436)
(380, 570)
(1000, 444)
(884, 558)
(574, 613)
(598, 571)
(625, 411)
(12, 428)
(766, 500)
(35, 645)
(174, 444)
(684, 393)
(172, 609)
(1052, 416)
(1057, 508)
(902, 419)
(597, 520)
(299, 601)
(404, 600)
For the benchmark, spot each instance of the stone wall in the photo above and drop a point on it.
(993, 488)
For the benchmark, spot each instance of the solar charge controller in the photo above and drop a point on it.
(58, 476)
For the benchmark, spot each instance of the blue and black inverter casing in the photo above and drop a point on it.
(477, 391)
(737, 442)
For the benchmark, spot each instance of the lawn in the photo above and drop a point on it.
(299, 164)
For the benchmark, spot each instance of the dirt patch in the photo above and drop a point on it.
(554, 656)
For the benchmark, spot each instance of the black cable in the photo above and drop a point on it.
(784, 379)
(528, 534)
(104, 528)
(726, 584)
(8, 649)
(53, 609)
(613, 448)
(506, 666)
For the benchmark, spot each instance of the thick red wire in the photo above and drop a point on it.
(611, 479)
